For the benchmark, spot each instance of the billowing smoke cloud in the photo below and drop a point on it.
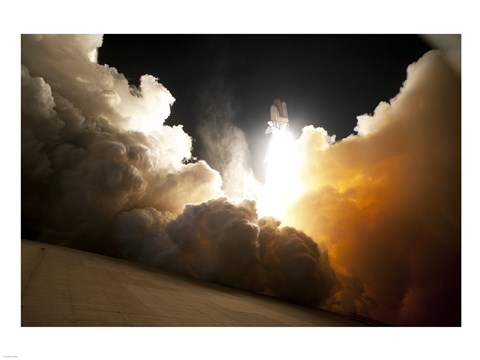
(102, 172)
(93, 146)
(226, 243)
(386, 203)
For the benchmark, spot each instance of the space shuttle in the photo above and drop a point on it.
(278, 117)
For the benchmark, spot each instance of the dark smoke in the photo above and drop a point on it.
(225, 243)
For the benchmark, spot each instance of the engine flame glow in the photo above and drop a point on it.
(282, 185)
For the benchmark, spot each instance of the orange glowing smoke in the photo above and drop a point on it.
(386, 202)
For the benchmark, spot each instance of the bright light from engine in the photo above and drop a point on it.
(282, 185)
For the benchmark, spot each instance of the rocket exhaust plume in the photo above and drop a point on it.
(372, 221)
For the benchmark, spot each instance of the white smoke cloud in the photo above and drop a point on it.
(93, 146)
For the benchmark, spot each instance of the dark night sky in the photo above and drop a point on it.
(326, 80)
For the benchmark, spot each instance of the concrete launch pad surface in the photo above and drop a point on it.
(67, 287)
